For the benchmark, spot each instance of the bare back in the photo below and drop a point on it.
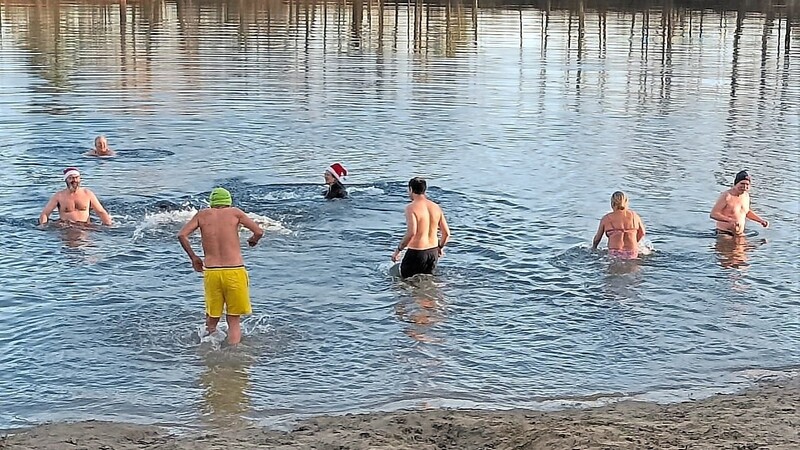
(426, 216)
(219, 233)
(622, 228)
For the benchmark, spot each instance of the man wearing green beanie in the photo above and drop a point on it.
(225, 279)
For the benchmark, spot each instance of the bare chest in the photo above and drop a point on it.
(73, 203)
(738, 205)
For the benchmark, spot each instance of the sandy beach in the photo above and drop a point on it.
(762, 417)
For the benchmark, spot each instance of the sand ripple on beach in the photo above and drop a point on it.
(766, 417)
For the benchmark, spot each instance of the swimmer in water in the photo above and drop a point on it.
(101, 148)
(74, 202)
(334, 175)
(424, 220)
(733, 207)
(623, 228)
(225, 279)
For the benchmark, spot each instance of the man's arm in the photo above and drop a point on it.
(251, 225)
(48, 208)
(95, 204)
(411, 230)
(599, 235)
(755, 218)
(716, 211)
(445, 231)
(183, 237)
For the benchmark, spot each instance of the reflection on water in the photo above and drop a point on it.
(732, 250)
(74, 237)
(136, 32)
(225, 381)
(521, 117)
(421, 306)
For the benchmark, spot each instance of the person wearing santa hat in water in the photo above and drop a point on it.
(334, 175)
(74, 202)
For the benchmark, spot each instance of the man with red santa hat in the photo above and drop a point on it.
(74, 202)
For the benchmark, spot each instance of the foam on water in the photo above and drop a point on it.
(368, 190)
(159, 220)
(269, 224)
(166, 221)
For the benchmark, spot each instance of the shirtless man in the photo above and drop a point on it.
(225, 279)
(424, 218)
(74, 202)
(101, 148)
(733, 207)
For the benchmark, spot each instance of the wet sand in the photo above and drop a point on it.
(763, 417)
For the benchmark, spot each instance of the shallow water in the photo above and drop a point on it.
(523, 135)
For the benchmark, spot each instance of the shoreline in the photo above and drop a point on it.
(763, 416)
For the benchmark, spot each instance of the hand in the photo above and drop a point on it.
(252, 241)
(396, 255)
(197, 264)
(441, 252)
(765, 223)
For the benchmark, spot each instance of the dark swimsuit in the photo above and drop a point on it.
(336, 190)
(419, 261)
(718, 232)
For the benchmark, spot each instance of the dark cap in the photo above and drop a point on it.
(743, 175)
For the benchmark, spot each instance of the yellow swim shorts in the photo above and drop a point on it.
(228, 287)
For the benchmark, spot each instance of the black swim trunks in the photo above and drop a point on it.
(419, 261)
(719, 232)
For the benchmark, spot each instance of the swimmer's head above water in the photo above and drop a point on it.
(742, 182)
(220, 198)
(335, 172)
(72, 178)
(417, 186)
(101, 144)
(619, 201)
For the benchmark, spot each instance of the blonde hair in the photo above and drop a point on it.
(619, 201)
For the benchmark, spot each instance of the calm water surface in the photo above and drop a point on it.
(524, 125)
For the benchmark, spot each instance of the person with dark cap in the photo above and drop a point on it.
(334, 176)
(733, 207)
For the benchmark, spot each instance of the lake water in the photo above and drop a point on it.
(523, 122)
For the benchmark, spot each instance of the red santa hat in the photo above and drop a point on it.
(71, 172)
(338, 171)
